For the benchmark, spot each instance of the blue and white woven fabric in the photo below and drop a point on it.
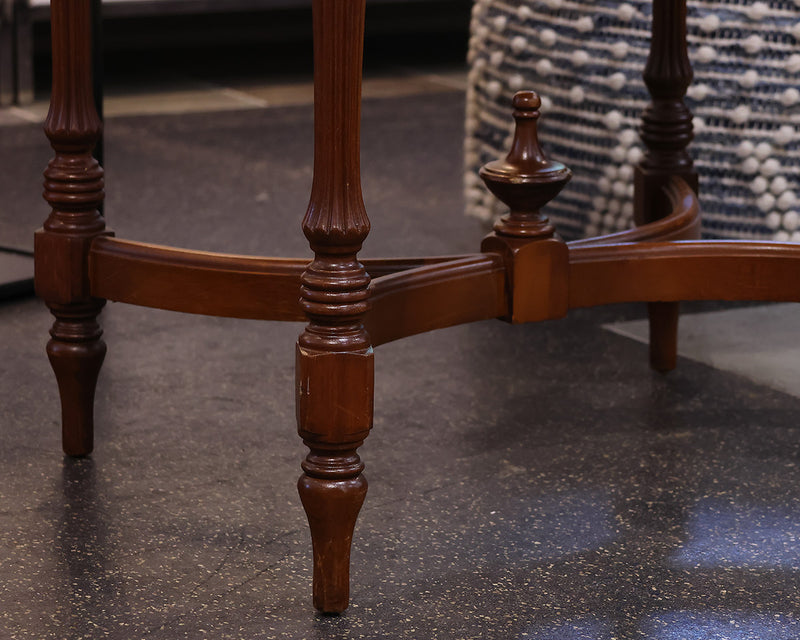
(585, 58)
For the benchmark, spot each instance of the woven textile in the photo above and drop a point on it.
(585, 58)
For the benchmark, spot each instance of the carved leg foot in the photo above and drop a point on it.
(334, 416)
(332, 490)
(76, 354)
(663, 335)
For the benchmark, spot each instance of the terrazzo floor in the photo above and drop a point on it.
(526, 482)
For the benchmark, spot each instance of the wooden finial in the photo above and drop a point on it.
(526, 180)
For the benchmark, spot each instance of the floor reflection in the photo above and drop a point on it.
(579, 629)
(692, 625)
(729, 534)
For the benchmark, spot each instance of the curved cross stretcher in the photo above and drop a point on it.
(524, 272)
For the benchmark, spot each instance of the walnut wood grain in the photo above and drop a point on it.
(377, 267)
(73, 186)
(196, 281)
(201, 282)
(335, 370)
(683, 223)
(437, 296)
(685, 270)
(666, 131)
(525, 181)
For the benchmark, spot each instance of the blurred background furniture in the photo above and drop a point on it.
(29, 13)
(6, 52)
(16, 266)
(585, 59)
(172, 24)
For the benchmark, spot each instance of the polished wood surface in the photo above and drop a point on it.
(73, 186)
(525, 181)
(685, 270)
(215, 284)
(666, 128)
(666, 132)
(523, 273)
(437, 296)
(196, 281)
(682, 223)
(335, 360)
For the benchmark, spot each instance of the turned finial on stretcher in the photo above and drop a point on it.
(526, 179)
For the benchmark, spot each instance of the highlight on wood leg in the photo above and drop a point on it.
(332, 490)
(76, 352)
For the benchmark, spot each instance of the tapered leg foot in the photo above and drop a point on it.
(332, 505)
(663, 335)
(76, 354)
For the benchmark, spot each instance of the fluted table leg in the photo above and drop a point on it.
(666, 132)
(334, 355)
(73, 187)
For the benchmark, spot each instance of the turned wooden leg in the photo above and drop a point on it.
(73, 186)
(332, 490)
(663, 335)
(666, 132)
(334, 369)
(76, 354)
(334, 415)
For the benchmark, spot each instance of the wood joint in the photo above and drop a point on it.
(61, 267)
(538, 276)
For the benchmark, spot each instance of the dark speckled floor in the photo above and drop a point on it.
(533, 482)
